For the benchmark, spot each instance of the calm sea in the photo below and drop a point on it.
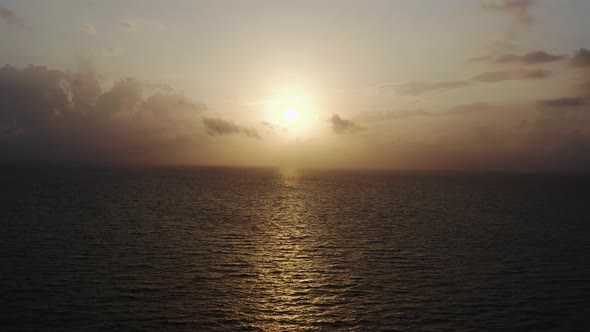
(222, 249)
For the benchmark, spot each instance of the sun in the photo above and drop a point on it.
(290, 108)
(291, 115)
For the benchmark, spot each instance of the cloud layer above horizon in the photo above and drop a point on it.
(510, 108)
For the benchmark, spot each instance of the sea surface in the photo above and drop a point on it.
(229, 249)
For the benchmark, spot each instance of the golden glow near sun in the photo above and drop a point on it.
(291, 114)
(291, 109)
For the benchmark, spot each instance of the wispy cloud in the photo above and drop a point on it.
(11, 18)
(564, 102)
(520, 9)
(112, 52)
(415, 89)
(342, 126)
(159, 86)
(419, 88)
(531, 58)
(580, 62)
(469, 108)
(483, 58)
(273, 128)
(457, 110)
(89, 29)
(580, 59)
(128, 26)
(510, 75)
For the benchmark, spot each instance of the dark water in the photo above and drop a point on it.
(279, 250)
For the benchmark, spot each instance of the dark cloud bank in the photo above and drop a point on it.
(52, 115)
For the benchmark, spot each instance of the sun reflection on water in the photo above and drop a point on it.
(293, 274)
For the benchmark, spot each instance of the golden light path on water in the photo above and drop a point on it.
(302, 286)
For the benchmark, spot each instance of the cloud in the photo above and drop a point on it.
(467, 108)
(112, 52)
(342, 126)
(220, 127)
(584, 86)
(525, 138)
(11, 18)
(531, 58)
(496, 76)
(84, 86)
(535, 74)
(53, 115)
(251, 132)
(159, 87)
(580, 59)
(89, 29)
(128, 26)
(580, 62)
(386, 115)
(124, 96)
(457, 110)
(419, 88)
(509, 75)
(564, 102)
(390, 115)
(273, 128)
(60, 116)
(519, 9)
(483, 58)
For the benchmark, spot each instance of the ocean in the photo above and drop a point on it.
(246, 249)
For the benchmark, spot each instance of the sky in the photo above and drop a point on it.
(491, 85)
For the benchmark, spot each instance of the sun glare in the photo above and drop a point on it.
(291, 115)
(291, 109)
